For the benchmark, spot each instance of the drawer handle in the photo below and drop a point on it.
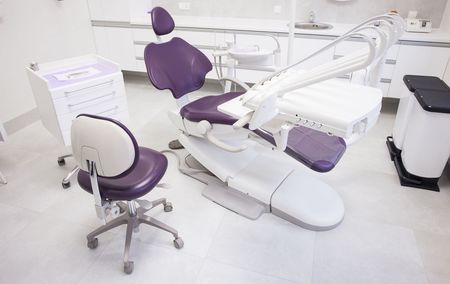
(93, 99)
(108, 110)
(391, 61)
(89, 87)
(384, 80)
(336, 56)
(346, 76)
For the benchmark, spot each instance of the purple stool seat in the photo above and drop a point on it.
(206, 109)
(314, 149)
(146, 174)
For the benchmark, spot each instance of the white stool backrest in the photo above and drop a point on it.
(104, 142)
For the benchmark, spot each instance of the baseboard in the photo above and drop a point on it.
(13, 125)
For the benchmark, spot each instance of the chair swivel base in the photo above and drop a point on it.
(133, 217)
(61, 162)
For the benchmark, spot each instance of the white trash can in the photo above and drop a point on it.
(420, 145)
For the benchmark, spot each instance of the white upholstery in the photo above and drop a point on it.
(103, 142)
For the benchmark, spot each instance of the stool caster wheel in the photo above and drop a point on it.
(128, 267)
(61, 162)
(65, 184)
(168, 207)
(92, 244)
(178, 243)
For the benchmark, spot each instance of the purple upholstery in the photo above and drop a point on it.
(316, 150)
(176, 65)
(206, 109)
(162, 22)
(146, 171)
(149, 170)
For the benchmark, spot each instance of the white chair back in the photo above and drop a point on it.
(104, 141)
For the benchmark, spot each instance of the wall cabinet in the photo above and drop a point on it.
(418, 60)
(126, 45)
(116, 44)
(107, 10)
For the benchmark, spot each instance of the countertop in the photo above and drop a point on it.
(280, 26)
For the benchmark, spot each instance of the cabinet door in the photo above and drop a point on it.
(304, 47)
(116, 44)
(418, 60)
(107, 10)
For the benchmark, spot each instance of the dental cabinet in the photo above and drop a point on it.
(66, 88)
(124, 41)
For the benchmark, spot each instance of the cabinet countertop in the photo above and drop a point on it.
(281, 26)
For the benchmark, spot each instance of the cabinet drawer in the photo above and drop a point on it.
(146, 35)
(384, 87)
(387, 71)
(109, 109)
(120, 116)
(347, 47)
(196, 38)
(87, 99)
(86, 87)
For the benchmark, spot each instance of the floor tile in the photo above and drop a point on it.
(364, 252)
(13, 220)
(152, 264)
(48, 251)
(218, 273)
(269, 245)
(435, 252)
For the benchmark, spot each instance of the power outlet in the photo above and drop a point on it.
(184, 5)
(277, 9)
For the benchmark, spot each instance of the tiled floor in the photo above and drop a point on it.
(390, 234)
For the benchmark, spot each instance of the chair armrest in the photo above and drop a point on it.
(236, 81)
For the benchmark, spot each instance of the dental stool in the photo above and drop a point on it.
(181, 68)
(116, 170)
(420, 141)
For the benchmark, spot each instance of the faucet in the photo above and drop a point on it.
(312, 16)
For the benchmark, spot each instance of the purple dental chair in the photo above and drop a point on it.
(181, 68)
(115, 169)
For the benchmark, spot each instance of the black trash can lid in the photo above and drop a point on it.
(433, 101)
(414, 82)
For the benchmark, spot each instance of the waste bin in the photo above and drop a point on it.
(420, 144)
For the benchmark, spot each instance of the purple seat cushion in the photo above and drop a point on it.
(149, 170)
(206, 109)
(315, 149)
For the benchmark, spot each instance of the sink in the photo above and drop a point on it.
(313, 26)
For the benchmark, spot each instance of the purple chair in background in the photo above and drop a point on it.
(208, 135)
(115, 169)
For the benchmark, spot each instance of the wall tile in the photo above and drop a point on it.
(326, 10)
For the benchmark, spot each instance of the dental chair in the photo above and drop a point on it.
(115, 169)
(242, 138)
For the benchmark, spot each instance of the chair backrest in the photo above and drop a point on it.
(175, 65)
(106, 142)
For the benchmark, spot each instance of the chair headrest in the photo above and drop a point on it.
(162, 22)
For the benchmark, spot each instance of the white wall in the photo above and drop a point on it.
(37, 30)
